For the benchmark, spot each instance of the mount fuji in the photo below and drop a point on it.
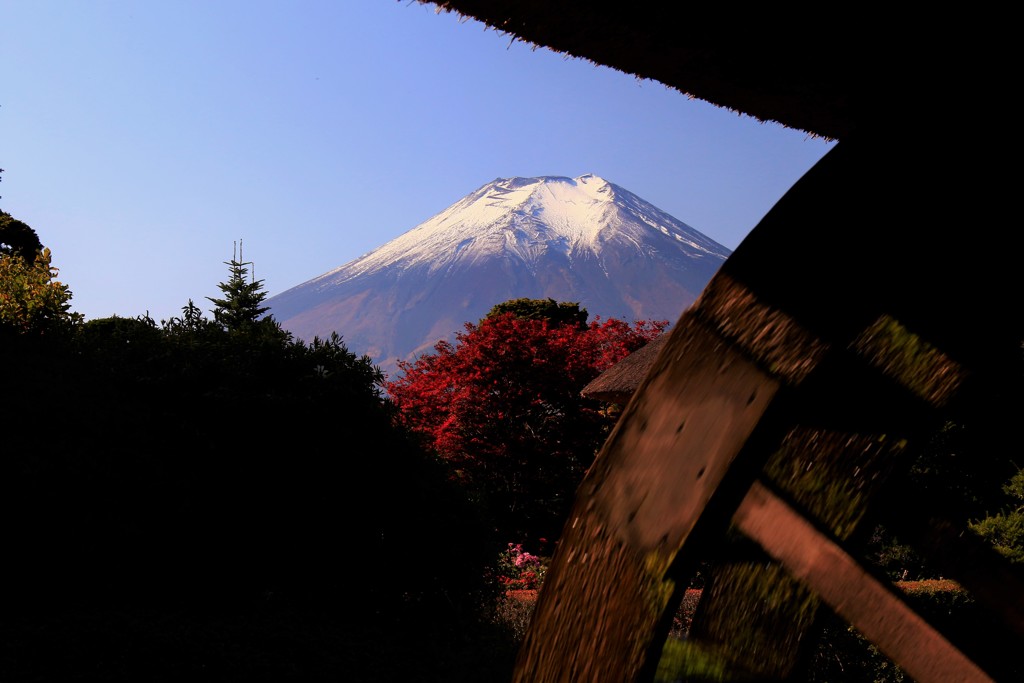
(578, 239)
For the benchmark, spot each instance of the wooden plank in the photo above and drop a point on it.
(752, 611)
(875, 610)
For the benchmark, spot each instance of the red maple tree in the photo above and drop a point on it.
(502, 407)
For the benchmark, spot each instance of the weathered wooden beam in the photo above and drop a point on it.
(758, 614)
(874, 609)
(609, 584)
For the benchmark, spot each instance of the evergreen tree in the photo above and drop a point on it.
(241, 308)
(191, 321)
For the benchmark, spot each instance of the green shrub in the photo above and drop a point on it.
(1005, 529)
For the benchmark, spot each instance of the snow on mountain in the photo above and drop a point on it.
(570, 239)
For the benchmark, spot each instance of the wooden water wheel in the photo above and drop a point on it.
(782, 413)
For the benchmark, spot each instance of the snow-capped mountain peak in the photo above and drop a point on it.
(572, 239)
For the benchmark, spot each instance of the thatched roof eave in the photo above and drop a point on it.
(618, 383)
(780, 66)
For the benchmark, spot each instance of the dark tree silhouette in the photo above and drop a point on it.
(18, 239)
(555, 312)
(241, 307)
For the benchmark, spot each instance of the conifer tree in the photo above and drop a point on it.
(241, 307)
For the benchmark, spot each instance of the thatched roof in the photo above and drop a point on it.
(617, 383)
(775, 62)
(931, 83)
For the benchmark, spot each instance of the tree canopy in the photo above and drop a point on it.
(190, 461)
(32, 300)
(1005, 529)
(555, 312)
(18, 239)
(502, 407)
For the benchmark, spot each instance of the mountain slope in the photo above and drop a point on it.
(570, 239)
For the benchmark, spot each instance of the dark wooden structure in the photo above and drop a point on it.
(878, 300)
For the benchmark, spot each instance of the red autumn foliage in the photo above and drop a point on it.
(502, 407)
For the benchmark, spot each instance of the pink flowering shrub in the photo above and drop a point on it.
(520, 570)
(519, 574)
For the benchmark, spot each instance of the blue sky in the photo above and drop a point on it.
(142, 139)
